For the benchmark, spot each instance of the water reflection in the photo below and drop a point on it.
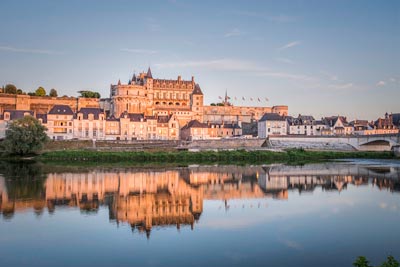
(146, 198)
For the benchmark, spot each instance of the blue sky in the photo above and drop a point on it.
(318, 57)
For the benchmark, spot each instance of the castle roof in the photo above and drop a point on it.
(197, 90)
(61, 110)
(149, 75)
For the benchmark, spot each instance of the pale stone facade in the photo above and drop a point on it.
(272, 124)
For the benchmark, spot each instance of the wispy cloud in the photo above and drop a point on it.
(273, 18)
(286, 75)
(215, 64)
(341, 86)
(29, 51)
(227, 64)
(330, 76)
(290, 45)
(233, 32)
(285, 60)
(381, 83)
(139, 51)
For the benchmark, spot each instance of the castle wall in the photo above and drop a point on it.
(42, 104)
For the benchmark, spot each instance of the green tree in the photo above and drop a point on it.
(19, 92)
(25, 136)
(10, 89)
(40, 91)
(53, 93)
(361, 261)
(391, 262)
(89, 94)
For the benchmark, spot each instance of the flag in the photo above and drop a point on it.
(235, 98)
(220, 97)
(243, 98)
(266, 99)
(228, 97)
(258, 99)
(251, 99)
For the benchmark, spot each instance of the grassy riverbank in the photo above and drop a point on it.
(205, 157)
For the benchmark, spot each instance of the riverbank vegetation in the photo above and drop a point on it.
(206, 157)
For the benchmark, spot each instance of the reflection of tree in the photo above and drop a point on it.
(24, 181)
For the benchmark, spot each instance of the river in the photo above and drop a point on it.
(323, 214)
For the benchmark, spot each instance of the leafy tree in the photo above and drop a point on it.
(361, 261)
(89, 94)
(31, 94)
(391, 262)
(10, 89)
(19, 92)
(53, 93)
(40, 91)
(24, 136)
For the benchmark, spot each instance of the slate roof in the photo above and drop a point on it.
(231, 126)
(18, 114)
(194, 124)
(61, 110)
(149, 75)
(112, 118)
(162, 119)
(197, 90)
(272, 117)
(42, 116)
(136, 116)
(86, 111)
(396, 119)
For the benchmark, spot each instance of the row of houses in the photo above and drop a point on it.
(91, 123)
(275, 124)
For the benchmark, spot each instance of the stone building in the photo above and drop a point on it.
(272, 124)
(154, 97)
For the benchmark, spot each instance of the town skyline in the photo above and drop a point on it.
(338, 58)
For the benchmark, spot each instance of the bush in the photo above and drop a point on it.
(24, 136)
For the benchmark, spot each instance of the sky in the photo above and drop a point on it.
(318, 57)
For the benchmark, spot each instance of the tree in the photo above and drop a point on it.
(53, 93)
(89, 94)
(391, 262)
(10, 89)
(25, 136)
(361, 261)
(19, 92)
(40, 91)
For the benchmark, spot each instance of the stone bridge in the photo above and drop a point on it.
(385, 142)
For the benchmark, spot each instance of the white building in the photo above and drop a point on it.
(90, 123)
(272, 124)
(306, 125)
(60, 123)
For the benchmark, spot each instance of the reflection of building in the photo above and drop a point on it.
(148, 198)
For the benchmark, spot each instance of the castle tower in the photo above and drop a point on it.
(197, 103)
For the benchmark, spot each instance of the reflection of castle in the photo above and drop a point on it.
(149, 198)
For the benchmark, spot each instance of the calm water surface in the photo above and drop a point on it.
(273, 215)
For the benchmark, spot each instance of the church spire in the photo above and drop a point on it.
(149, 73)
(119, 82)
